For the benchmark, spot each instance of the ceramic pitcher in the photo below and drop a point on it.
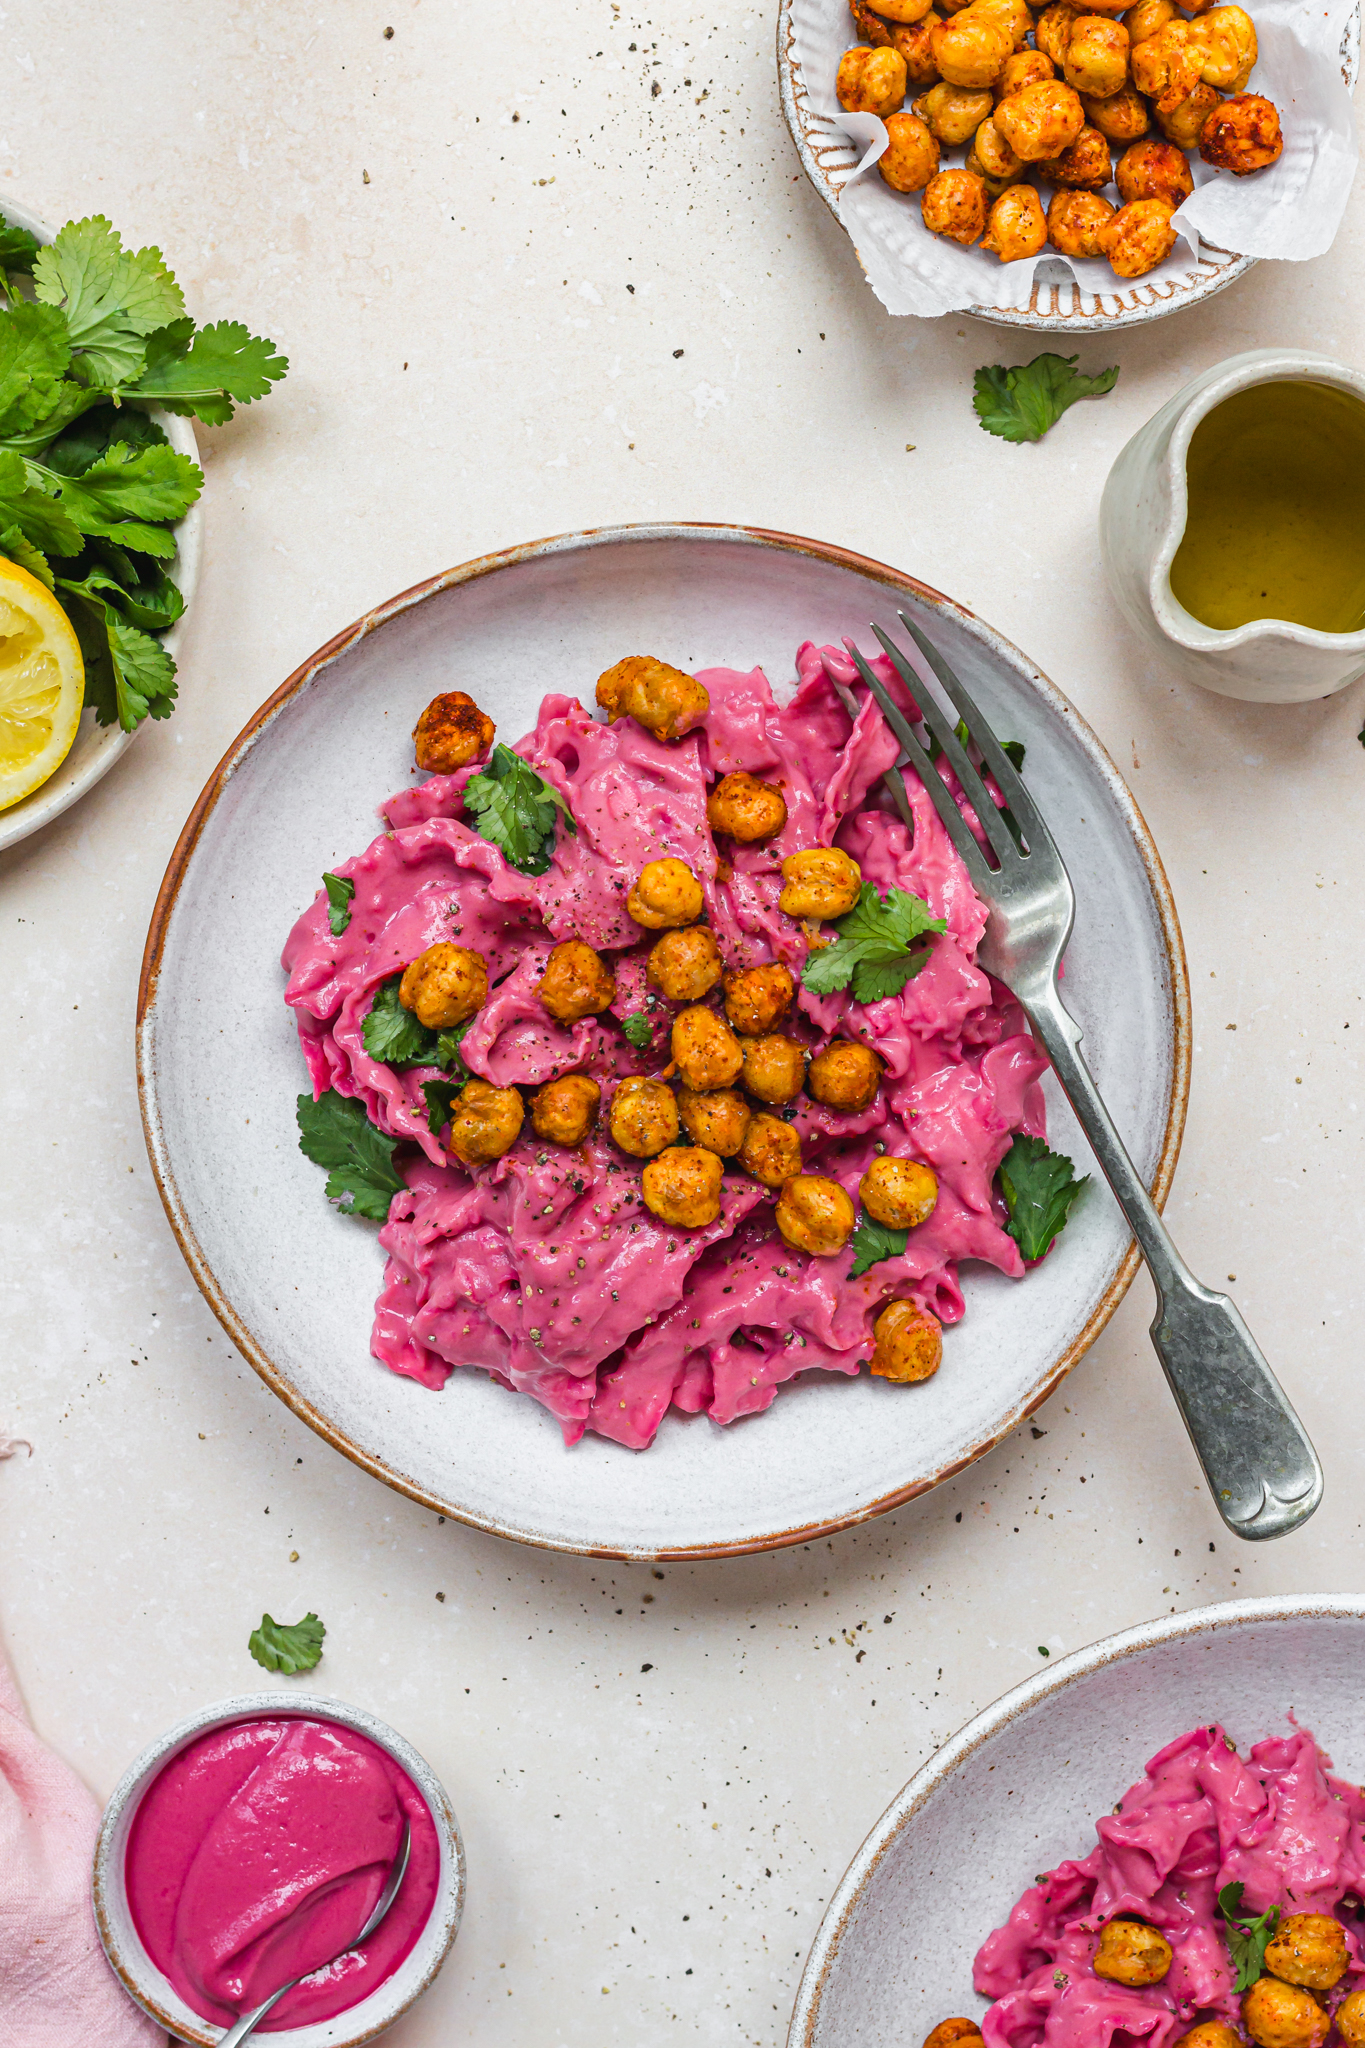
(1142, 521)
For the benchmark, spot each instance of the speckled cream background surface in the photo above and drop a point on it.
(660, 1778)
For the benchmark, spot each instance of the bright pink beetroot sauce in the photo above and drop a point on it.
(545, 1269)
(260, 1851)
(1279, 1823)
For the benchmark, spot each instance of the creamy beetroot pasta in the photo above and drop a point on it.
(544, 1267)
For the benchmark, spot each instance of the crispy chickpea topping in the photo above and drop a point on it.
(705, 1050)
(718, 1121)
(771, 1151)
(1025, 67)
(971, 47)
(577, 982)
(953, 113)
(485, 1121)
(1147, 18)
(451, 732)
(444, 986)
(815, 1215)
(990, 155)
(1211, 2034)
(1242, 135)
(564, 1111)
(758, 997)
(1085, 166)
(915, 43)
(664, 700)
(954, 2034)
(1096, 60)
(643, 1116)
(871, 28)
(665, 893)
(1016, 226)
(903, 12)
(685, 965)
(845, 1076)
(823, 882)
(1053, 30)
(1226, 38)
(682, 1187)
(1131, 1952)
(901, 1193)
(1280, 2015)
(907, 164)
(1042, 120)
(870, 81)
(741, 805)
(1308, 1949)
(1074, 220)
(1350, 2020)
(1154, 169)
(1138, 237)
(774, 1068)
(1121, 118)
(907, 1344)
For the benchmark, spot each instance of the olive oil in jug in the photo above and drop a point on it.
(1276, 523)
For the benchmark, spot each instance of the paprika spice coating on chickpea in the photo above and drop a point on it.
(1148, 18)
(815, 1215)
(444, 986)
(1242, 135)
(485, 1121)
(1016, 226)
(871, 81)
(682, 1187)
(915, 44)
(903, 13)
(1025, 67)
(577, 982)
(1211, 2034)
(1086, 166)
(1350, 2019)
(908, 162)
(1280, 2015)
(1096, 60)
(774, 1068)
(564, 1111)
(1042, 120)
(771, 1151)
(685, 964)
(665, 701)
(717, 1120)
(907, 1343)
(845, 1076)
(741, 805)
(871, 28)
(1138, 237)
(954, 2034)
(1132, 1953)
(823, 882)
(1308, 1949)
(990, 156)
(450, 733)
(705, 1050)
(666, 892)
(1121, 118)
(901, 1193)
(970, 48)
(955, 205)
(1226, 39)
(1074, 221)
(1015, 15)
(643, 1116)
(1052, 32)
(952, 113)
(758, 997)
(1154, 169)
(1182, 121)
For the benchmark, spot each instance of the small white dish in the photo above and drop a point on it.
(1142, 522)
(1023, 1784)
(97, 747)
(146, 1984)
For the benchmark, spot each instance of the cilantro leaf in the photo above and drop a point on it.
(872, 1242)
(516, 811)
(439, 1095)
(112, 297)
(34, 353)
(287, 1646)
(447, 1053)
(1013, 751)
(340, 889)
(13, 544)
(17, 247)
(87, 439)
(393, 1034)
(204, 375)
(1247, 1939)
(1020, 404)
(128, 675)
(638, 1029)
(43, 522)
(873, 949)
(70, 402)
(335, 1132)
(124, 489)
(1039, 1188)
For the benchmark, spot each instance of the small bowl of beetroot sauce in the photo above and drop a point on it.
(249, 1844)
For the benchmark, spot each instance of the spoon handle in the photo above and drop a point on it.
(242, 2029)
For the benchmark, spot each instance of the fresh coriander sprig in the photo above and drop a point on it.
(287, 1646)
(335, 1132)
(1020, 404)
(872, 1242)
(517, 811)
(1039, 1188)
(638, 1029)
(1247, 1938)
(873, 952)
(397, 1037)
(340, 889)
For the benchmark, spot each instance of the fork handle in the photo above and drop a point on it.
(1260, 1467)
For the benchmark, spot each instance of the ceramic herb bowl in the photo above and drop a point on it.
(145, 1982)
(1142, 519)
(1023, 1784)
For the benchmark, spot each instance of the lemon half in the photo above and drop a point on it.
(42, 684)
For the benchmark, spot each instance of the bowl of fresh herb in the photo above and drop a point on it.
(102, 371)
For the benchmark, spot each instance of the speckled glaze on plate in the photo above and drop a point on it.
(1023, 1784)
(294, 1282)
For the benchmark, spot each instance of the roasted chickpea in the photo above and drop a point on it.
(1138, 237)
(1053, 32)
(666, 892)
(903, 12)
(1086, 166)
(717, 1121)
(705, 1050)
(970, 48)
(774, 1068)
(643, 1117)
(682, 1187)
(1182, 122)
(845, 1076)
(771, 1151)
(822, 882)
(1074, 220)
(564, 1111)
(815, 1215)
(916, 45)
(994, 186)
(1168, 62)
(901, 1193)
(756, 998)
(871, 81)
(1122, 117)
(1226, 37)
(1350, 2020)
(1242, 135)
(907, 1346)
(990, 155)
(1308, 1949)
(1096, 60)
(740, 804)
(908, 161)
(954, 2034)
(1131, 1952)
(1025, 67)
(444, 986)
(485, 1121)
(577, 982)
(1040, 121)
(451, 731)
(664, 700)
(871, 28)
(1211, 2034)
(1154, 170)
(1013, 15)
(1016, 226)
(685, 965)
(955, 205)
(1148, 18)
(952, 114)
(1280, 2015)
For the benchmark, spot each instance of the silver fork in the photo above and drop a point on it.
(1260, 1466)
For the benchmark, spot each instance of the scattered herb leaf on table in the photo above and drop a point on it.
(1022, 403)
(873, 949)
(287, 1646)
(1039, 1188)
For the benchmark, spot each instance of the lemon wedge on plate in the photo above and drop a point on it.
(42, 684)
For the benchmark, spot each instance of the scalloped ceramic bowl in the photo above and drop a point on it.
(97, 747)
(1023, 1784)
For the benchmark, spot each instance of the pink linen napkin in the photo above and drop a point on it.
(56, 1989)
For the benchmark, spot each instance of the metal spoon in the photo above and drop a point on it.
(245, 2027)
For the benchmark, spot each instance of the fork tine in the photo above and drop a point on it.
(973, 788)
(893, 783)
(1012, 785)
(954, 824)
